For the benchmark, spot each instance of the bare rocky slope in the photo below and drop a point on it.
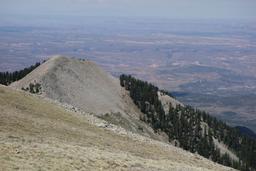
(39, 134)
(80, 83)
(84, 85)
(81, 86)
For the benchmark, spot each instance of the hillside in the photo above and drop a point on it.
(136, 106)
(37, 134)
(191, 129)
(85, 86)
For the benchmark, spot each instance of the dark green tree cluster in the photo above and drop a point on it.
(194, 130)
(6, 78)
(145, 96)
(189, 128)
(34, 88)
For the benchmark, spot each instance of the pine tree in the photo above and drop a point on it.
(183, 126)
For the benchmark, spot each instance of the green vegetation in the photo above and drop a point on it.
(191, 129)
(34, 88)
(6, 78)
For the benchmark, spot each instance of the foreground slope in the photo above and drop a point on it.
(84, 85)
(37, 134)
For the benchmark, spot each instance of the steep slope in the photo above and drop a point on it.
(166, 100)
(37, 134)
(84, 85)
(189, 128)
(77, 82)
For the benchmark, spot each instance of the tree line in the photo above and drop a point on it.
(191, 129)
(6, 78)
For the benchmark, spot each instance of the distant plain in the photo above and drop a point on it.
(207, 64)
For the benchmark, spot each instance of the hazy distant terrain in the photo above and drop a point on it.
(210, 65)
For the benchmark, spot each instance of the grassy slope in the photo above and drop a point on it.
(36, 134)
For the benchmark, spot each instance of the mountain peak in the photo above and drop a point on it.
(77, 82)
(84, 85)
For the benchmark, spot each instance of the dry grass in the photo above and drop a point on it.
(38, 135)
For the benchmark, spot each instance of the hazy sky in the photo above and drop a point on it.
(152, 8)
